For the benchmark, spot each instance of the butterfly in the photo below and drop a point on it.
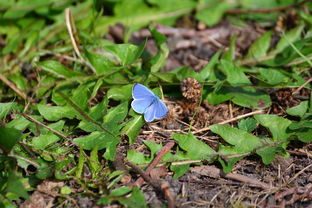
(147, 103)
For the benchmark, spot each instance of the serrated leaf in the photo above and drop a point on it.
(298, 110)
(55, 113)
(242, 140)
(267, 154)
(120, 191)
(100, 139)
(58, 69)
(248, 124)
(272, 76)
(234, 74)
(120, 93)
(5, 108)
(206, 72)
(159, 60)
(8, 138)
(276, 125)
(289, 37)
(195, 148)
(260, 47)
(133, 127)
(210, 16)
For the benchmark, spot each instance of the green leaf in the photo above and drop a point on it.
(206, 72)
(97, 138)
(158, 61)
(55, 113)
(5, 108)
(195, 148)
(101, 63)
(48, 138)
(272, 76)
(116, 114)
(260, 47)
(304, 135)
(136, 200)
(95, 165)
(8, 138)
(120, 93)
(58, 69)
(120, 191)
(14, 185)
(125, 53)
(133, 127)
(276, 125)
(250, 97)
(246, 97)
(234, 74)
(267, 154)
(230, 54)
(138, 157)
(20, 123)
(248, 124)
(242, 140)
(289, 37)
(298, 110)
(213, 14)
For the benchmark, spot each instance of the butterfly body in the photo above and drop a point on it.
(147, 103)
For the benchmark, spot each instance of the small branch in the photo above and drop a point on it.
(162, 187)
(156, 160)
(231, 120)
(73, 32)
(302, 86)
(43, 125)
(83, 114)
(266, 10)
(13, 87)
(35, 164)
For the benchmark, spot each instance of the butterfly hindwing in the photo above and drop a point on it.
(140, 105)
(161, 109)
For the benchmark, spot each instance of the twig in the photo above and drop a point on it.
(231, 120)
(72, 31)
(156, 160)
(302, 86)
(297, 174)
(265, 10)
(43, 125)
(214, 172)
(35, 164)
(83, 114)
(13, 87)
(162, 187)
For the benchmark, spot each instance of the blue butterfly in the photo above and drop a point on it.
(147, 103)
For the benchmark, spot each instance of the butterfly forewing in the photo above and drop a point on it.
(141, 92)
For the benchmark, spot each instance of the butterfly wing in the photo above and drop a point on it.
(141, 92)
(161, 109)
(140, 105)
(157, 110)
(150, 112)
(142, 98)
